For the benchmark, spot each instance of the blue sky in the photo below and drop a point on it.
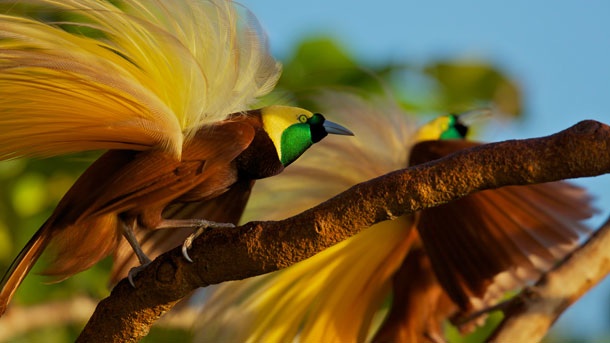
(559, 52)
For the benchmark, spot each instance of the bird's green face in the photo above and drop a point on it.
(445, 127)
(293, 130)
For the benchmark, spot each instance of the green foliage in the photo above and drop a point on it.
(478, 335)
(162, 334)
(50, 334)
(463, 83)
(50, 15)
(439, 86)
(320, 63)
(29, 190)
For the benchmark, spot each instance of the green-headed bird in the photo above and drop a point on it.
(166, 87)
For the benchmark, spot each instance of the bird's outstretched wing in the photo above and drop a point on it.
(80, 75)
(493, 241)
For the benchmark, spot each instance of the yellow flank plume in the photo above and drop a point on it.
(322, 299)
(88, 74)
(332, 296)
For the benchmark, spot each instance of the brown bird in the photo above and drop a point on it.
(165, 87)
(468, 253)
(400, 280)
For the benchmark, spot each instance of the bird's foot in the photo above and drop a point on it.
(188, 242)
(128, 233)
(134, 271)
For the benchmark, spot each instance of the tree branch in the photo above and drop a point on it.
(261, 247)
(528, 316)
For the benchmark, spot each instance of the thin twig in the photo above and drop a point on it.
(530, 314)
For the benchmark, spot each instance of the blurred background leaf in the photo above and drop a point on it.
(464, 83)
(455, 86)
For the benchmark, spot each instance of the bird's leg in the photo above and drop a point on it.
(200, 226)
(128, 233)
(192, 223)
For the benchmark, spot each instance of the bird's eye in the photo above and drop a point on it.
(302, 118)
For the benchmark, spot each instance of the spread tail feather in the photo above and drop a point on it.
(73, 249)
(22, 264)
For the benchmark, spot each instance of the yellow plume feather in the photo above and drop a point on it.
(127, 74)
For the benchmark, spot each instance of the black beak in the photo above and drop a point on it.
(336, 129)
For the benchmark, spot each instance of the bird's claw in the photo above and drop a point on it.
(134, 271)
(188, 242)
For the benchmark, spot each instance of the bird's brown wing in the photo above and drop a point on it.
(85, 226)
(155, 178)
(226, 208)
(492, 241)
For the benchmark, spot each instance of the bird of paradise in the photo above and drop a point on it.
(165, 87)
(399, 280)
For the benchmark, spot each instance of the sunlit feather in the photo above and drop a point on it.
(124, 74)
